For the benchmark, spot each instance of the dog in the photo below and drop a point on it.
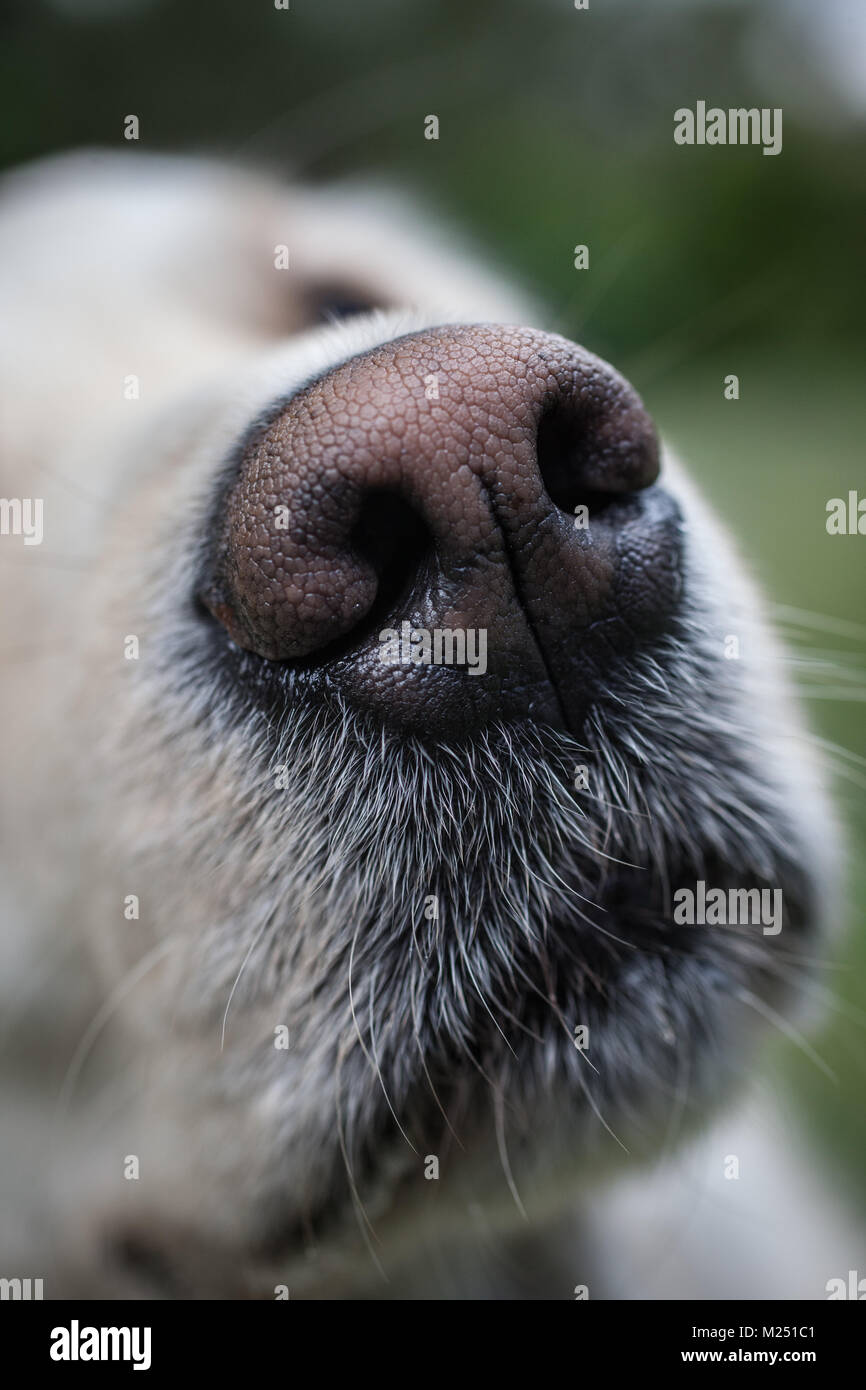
(336, 967)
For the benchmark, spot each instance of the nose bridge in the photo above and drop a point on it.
(464, 431)
(429, 418)
(494, 400)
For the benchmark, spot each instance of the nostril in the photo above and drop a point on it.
(392, 540)
(396, 543)
(563, 449)
(388, 541)
(595, 441)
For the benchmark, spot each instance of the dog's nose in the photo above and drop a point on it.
(488, 484)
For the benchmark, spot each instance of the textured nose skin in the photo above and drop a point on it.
(434, 481)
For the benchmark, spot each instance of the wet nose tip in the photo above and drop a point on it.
(431, 462)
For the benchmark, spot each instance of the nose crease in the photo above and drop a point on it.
(520, 598)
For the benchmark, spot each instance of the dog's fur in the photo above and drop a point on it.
(263, 905)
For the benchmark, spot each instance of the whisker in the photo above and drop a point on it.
(788, 1030)
(103, 1015)
(499, 1124)
(255, 941)
(822, 622)
(378, 1069)
(364, 1223)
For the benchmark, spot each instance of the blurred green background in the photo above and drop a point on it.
(556, 128)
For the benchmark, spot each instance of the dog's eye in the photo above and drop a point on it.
(330, 303)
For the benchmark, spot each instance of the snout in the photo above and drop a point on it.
(457, 527)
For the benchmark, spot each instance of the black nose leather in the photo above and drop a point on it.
(464, 480)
